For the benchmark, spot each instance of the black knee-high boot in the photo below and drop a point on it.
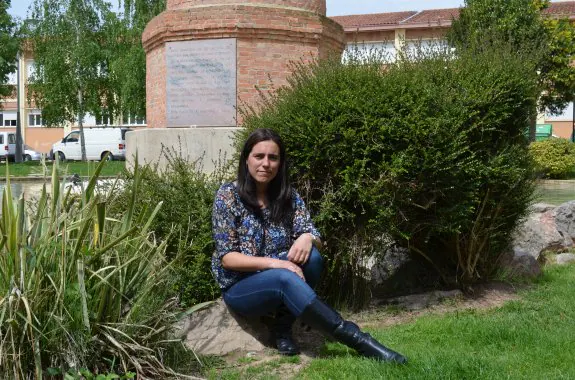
(323, 318)
(281, 331)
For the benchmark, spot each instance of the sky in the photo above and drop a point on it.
(334, 7)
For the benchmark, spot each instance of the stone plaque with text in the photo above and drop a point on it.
(201, 83)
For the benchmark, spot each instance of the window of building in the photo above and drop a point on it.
(35, 120)
(11, 138)
(420, 48)
(383, 51)
(133, 120)
(30, 69)
(9, 119)
(103, 120)
(12, 78)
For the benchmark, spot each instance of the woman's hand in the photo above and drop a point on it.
(301, 249)
(283, 264)
(243, 263)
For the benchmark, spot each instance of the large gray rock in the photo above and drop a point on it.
(541, 207)
(564, 216)
(395, 271)
(517, 263)
(565, 258)
(218, 331)
(385, 267)
(538, 234)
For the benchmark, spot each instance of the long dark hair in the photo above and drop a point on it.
(279, 190)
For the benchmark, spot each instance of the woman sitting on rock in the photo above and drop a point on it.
(267, 259)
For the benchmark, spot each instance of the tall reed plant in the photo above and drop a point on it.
(79, 289)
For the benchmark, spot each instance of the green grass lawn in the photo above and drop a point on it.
(533, 338)
(555, 192)
(83, 169)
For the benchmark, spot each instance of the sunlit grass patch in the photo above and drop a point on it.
(83, 169)
(527, 339)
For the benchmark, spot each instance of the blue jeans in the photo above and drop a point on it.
(265, 291)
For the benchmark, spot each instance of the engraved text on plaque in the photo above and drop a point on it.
(201, 83)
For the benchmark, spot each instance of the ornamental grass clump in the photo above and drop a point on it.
(428, 153)
(80, 290)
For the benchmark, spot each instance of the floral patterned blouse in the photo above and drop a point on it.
(236, 229)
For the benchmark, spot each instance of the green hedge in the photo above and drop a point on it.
(429, 152)
(554, 158)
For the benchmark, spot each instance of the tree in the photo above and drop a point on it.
(559, 79)
(9, 44)
(520, 24)
(128, 58)
(72, 73)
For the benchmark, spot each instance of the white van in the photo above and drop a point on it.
(7, 145)
(99, 141)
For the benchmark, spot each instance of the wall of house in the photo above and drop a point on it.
(41, 139)
(562, 128)
(426, 33)
(373, 36)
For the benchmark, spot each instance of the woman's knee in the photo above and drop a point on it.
(286, 277)
(314, 264)
(313, 268)
(315, 258)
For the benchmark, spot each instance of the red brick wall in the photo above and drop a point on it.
(316, 6)
(156, 87)
(238, 21)
(273, 60)
(268, 40)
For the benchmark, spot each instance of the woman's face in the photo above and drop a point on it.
(264, 162)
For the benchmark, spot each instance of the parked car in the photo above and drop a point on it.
(7, 145)
(99, 142)
(30, 154)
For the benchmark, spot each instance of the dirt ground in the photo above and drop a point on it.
(485, 296)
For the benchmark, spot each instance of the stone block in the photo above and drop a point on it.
(212, 145)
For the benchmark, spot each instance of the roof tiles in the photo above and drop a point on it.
(434, 16)
(431, 16)
(375, 19)
(561, 8)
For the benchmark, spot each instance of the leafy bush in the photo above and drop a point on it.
(554, 158)
(429, 152)
(184, 222)
(79, 289)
